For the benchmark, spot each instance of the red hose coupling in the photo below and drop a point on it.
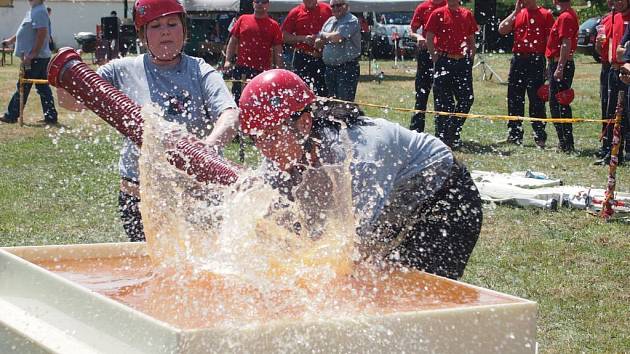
(66, 70)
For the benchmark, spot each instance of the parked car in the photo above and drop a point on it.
(389, 27)
(587, 36)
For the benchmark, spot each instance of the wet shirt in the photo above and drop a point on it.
(531, 29)
(451, 29)
(302, 21)
(566, 26)
(350, 48)
(256, 37)
(191, 92)
(386, 158)
(36, 18)
(421, 15)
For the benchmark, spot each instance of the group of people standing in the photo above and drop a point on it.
(327, 41)
(543, 48)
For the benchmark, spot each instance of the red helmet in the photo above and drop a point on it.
(145, 11)
(270, 98)
(565, 97)
(543, 93)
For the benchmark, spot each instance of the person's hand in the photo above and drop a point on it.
(422, 42)
(227, 66)
(559, 73)
(319, 43)
(434, 58)
(624, 73)
(620, 52)
(27, 60)
(310, 40)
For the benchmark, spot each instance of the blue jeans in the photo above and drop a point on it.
(342, 80)
(38, 70)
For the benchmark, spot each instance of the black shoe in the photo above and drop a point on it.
(6, 119)
(48, 122)
(604, 161)
(540, 143)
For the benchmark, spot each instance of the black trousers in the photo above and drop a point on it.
(452, 92)
(129, 208)
(424, 81)
(564, 130)
(313, 71)
(603, 88)
(440, 234)
(615, 85)
(527, 75)
(240, 73)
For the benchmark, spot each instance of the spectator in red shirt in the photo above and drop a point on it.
(450, 39)
(561, 45)
(605, 50)
(614, 34)
(300, 28)
(531, 25)
(255, 42)
(424, 71)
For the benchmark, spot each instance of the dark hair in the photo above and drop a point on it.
(334, 114)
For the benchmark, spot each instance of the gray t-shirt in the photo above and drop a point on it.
(36, 18)
(191, 93)
(350, 48)
(387, 161)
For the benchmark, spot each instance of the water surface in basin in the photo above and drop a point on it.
(193, 299)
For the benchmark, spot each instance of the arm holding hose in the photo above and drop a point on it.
(195, 157)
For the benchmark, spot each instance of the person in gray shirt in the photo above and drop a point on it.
(340, 39)
(415, 204)
(32, 46)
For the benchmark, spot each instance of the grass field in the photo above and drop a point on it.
(59, 185)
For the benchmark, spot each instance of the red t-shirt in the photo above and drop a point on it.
(256, 37)
(302, 22)
(531, 29)
(607, 23)
(451, 28)
(566, 26)
(421, 14)
(616, 34)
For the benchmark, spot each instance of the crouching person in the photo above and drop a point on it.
(416, 205)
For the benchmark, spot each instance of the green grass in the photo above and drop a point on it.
(59, 185)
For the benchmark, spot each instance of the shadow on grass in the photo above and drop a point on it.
(476, 147)
(41, 124)
(374, 78)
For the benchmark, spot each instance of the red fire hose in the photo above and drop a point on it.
(66, 70)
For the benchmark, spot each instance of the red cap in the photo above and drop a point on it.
(565, 97)
(543, 93)
(63, 56)
(270, 98)
(145, 11)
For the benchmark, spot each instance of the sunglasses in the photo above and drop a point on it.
(336, 6)
(261, 1)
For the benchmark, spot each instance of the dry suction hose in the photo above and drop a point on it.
(67, 71)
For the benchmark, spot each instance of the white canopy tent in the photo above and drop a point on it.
(286, 5)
